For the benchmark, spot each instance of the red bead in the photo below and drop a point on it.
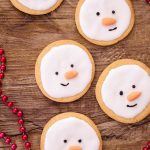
(20, 114)
(27, 145)
(1, 75)
(8, 140)
(15, 110)
(25, 137)
(1, 51)
(145, 148)
(148, 144)
(3, 59)
(2, 135)
(20, 121)
(1, 92)
(10, 104)
(22, 129)
(148, 1)
(4, 98)
(13, 146)
(3, 67)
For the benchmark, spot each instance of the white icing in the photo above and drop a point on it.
(38, 4)
(59, 59)
(122, 79)
(91, 24)
(71, 129)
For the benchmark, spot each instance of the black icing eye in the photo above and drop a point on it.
(71, 65)
(121, 93)
(79, 140)
(56, 73)
(113, 12)
(65, 141)
(133, 86)
(98, 13)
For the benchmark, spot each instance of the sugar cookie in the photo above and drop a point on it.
(123, 91)
(64, 71)
(71, 131)
(36, 7)
(104, 22)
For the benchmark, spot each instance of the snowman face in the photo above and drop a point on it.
(125, 90)
(38, 4)
(66, 70)
(104, 20)
(71, 134)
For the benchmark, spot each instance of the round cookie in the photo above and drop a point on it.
(104, 22)
(123, 91)
(71, 131)
(64, 71)
(36, 7)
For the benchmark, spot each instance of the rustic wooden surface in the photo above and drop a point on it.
(24, 36)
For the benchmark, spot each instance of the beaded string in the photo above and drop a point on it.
(14, 110)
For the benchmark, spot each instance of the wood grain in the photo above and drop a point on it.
(24, 36)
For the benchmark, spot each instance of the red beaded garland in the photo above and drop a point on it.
(15, 110)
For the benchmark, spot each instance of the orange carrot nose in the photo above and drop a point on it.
(75, 148)
(108, 21)
(133, 96)
(71, 74)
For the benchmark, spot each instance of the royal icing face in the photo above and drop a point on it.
(103, 20)
(125, 90)
(71, 134)
(38, 4)
(66, 70)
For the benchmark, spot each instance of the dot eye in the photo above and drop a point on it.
(65, 141)
(113, 12)
(133, 86)
(98, 13)
(121, 93)
(79, 140)
(56, 73)
(72, 65)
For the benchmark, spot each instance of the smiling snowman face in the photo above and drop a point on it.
(66, 71)
(36, 7)
(104, 20)
(70, 133)
(125, 90)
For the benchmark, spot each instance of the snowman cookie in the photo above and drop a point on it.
(104, 22)
(71, 131)
(64, 71)
(36, 7)
(123, 91)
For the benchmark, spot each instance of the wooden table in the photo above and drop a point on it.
(24, 36)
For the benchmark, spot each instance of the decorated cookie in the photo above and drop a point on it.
(64, 71)
(104, 22)
(123, 91)
(36, 7)
(71, 131)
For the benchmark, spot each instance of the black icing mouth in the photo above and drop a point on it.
(132, 105)
(113, 29)
(64, 84)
